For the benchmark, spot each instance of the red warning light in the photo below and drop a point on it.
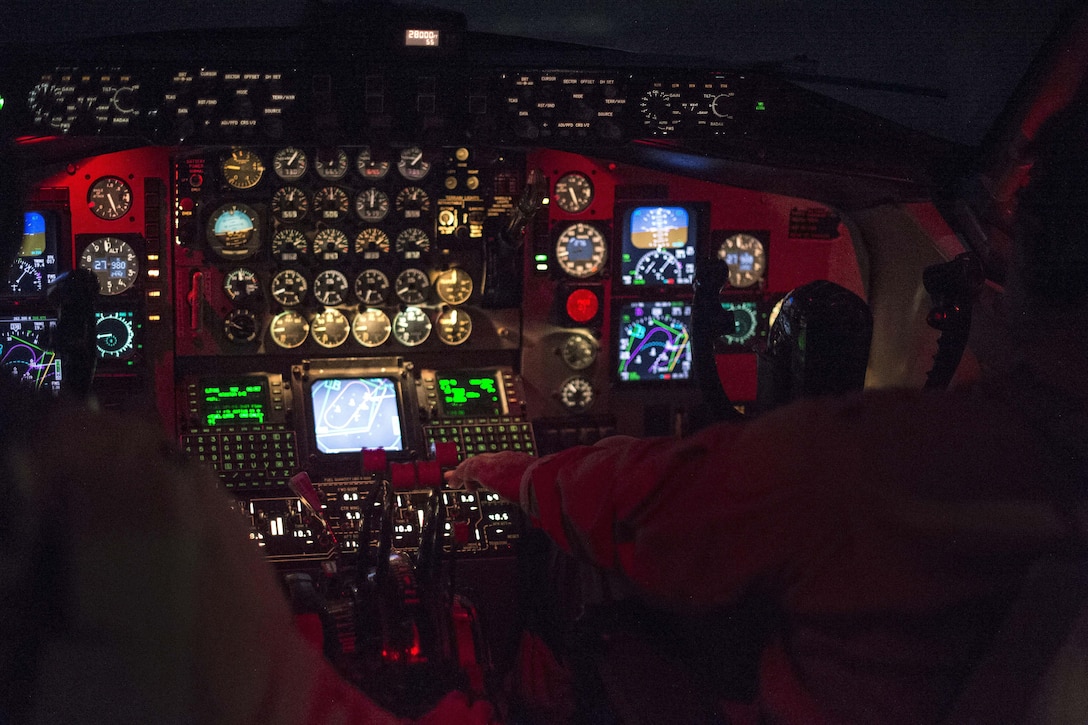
(582, 305)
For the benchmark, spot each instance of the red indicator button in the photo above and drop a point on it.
(582, 305)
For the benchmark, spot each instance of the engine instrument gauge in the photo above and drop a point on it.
(369, 166)
(289, 329)
(372, 205)
(746, 259)
(290, 203)
(289, 287)
(115, 335)
(240, 326)
(109, 198)
(331, 244)
(413, 243)
(580, 250)
(411, 286)
(289, 244)
(411, 326)
(240, 284)
(574, 192)
(413, 202)
(290, 163)
(412, 165)
(243, 169)
(372, 243)
(113, 261)
(331, 203)
(372, 287)
(578, 352)
(576, 394)
(234, 231)
(453, 326)
(331, 287)
(454, 286)
(371, 327)
(330, 328)
(331, 164)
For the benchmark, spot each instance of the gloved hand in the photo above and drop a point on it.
(500, 472)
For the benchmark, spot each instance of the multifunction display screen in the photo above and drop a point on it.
(350, 414)
(658, 246)
(239, 401)
(469, 395)
(25, 353)
(35, 267)
(654, 341)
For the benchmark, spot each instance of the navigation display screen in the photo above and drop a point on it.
(238, 401)
(353, 413)
(654, 341)
(658, 246)
(24, 351)
(469, 394)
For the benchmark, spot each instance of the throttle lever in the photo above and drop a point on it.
(303, 487)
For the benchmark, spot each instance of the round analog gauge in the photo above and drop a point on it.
(234, 232)
(331, 203)
(413, 243)
(331, 287)
(24, 278)
(412, 165)
(370, 166)
(412, 202)
(289, 329)
(371, 327)
(289, 287)
(331, 164)
(240, 326)
(290, 163)
(580, 250)
(290, 203)
(578, 352)
(576, 394)
(243, 169)
(331, 244)
(657, 267)
(574, 192)
(109, 198)
(240, 284)
(659, 112)
(454, 326)
(289, 244)
(746, 259)
(411, 326)
(113, 262)
(372, 205)
(454, 286)
(330, 328)
(372, 243)
(115, 335)
(411, 286)
(371, 287)
(745, 322)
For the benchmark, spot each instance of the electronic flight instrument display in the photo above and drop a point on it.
(35, 267)
(350, 414)
(654, 341)
(24, 354)
(658, 246)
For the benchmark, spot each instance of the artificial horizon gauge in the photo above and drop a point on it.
(331, 164)
(413, 243)
(369, 166)
(372, 243)
(372, 205)
(454, 286)
(288, 287)
(331, 203)
(574, 192)
(290, 163)
(289, 329)
(290, 203)
(412, 165)
(331, 244)
(331, 287)
(580, 250)
(243, 169)
(240, 326)
(234, 231)
(371, 287)
(411, 286)
(371, 327)
(330, 328)
(113, 261)
(289, 244)
(578, 352)
(109, 198)
(746, 259)
(411, 326)
(576, 394)
(115, 335)
(454, 326)
(240, 284)
(412, 202)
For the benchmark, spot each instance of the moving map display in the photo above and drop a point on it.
(24, 352)
(654, 341)
(350, 414)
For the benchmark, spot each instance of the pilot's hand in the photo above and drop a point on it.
(500, 472)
